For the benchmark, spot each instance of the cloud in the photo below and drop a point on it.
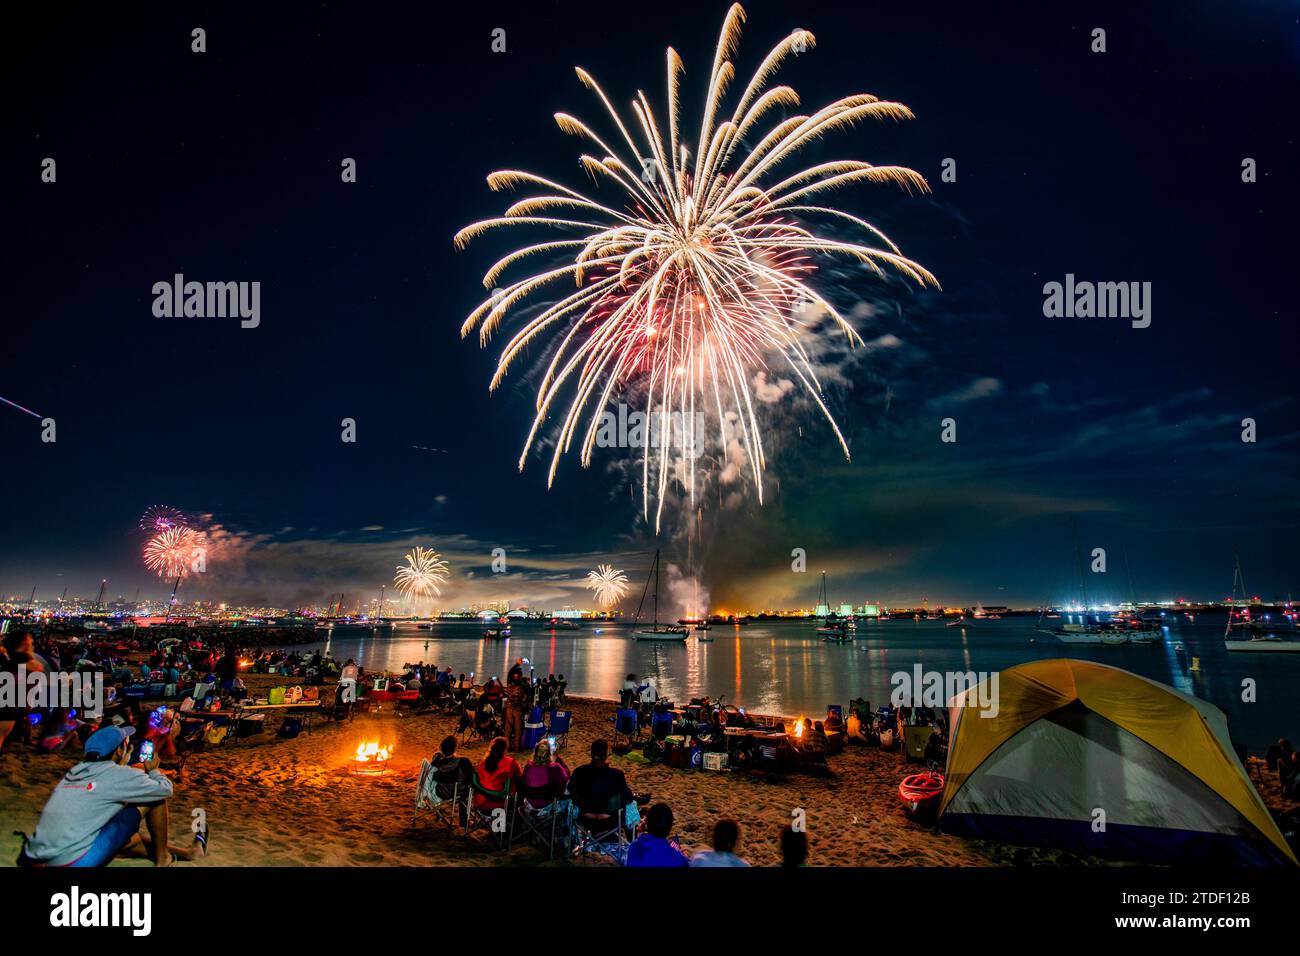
(976, 390)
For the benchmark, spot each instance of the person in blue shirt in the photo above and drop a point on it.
(726, 836)
(653, 847)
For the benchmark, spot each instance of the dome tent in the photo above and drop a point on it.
(1092, 758)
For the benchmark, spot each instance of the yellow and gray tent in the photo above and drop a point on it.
(1094, 759)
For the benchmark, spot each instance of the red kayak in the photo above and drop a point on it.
(920, 793)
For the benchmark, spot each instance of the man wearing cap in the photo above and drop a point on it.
(94, 812)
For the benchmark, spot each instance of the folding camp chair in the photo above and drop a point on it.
(558, 726)
(627, 728)
(547, 825)
(496, 820)
(602, 832)
(439, 791)
(916, 737)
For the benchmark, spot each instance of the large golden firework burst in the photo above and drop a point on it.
(697, 279)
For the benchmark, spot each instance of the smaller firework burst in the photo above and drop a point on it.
(422, 574)
(160, 518)
(171, 553)
(608, 583)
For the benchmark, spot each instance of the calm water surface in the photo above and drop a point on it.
(782, 667)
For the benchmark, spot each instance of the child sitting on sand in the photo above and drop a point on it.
(726, 836)
(654, 847)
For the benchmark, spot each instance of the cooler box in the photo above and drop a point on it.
(533, 734)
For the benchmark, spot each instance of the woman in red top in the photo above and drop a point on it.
(494, 772)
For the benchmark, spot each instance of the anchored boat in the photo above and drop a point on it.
(663, 633)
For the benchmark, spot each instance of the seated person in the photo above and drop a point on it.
(496, 771)
(654, 847)
(58, 729)
(794, 847)
(494, 694)
(630, 694)
(726, 835)
(446, 761)
(814, 739)
(936, 748)
(596, 785)
(94, 812)
(1279, 755)
(546, 769)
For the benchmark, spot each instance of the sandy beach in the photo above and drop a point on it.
(274, 802)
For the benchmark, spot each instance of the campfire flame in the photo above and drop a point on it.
(798, 728)
(371, 752)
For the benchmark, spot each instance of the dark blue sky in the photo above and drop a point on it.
(1122, 166)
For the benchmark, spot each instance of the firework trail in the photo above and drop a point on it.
(687, 288)
(422, 575)
(19, 407)
(609, 584)
(171, 552)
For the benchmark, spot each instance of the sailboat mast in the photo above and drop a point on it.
(656, 589)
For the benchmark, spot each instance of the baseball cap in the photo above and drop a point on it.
(103, 742)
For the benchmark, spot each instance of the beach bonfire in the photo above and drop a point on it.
(370, 758)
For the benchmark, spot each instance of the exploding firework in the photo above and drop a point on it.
(159, 518)
(422, 574)
(609, 584)
(172, 553)
(699, 276)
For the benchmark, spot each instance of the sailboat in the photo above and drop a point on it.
(1090, 630)
(1139, 629)
(1263, 636)
(668, 633)
(833, 629)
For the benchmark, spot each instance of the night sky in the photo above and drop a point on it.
(225, 166)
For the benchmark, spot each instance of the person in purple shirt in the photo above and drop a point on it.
(545, 770)
(653, 847)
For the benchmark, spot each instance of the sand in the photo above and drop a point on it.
(274, 802)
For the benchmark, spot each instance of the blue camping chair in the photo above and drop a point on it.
(559, 725)
(661, 725)
(534, 731)
(625, 722)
